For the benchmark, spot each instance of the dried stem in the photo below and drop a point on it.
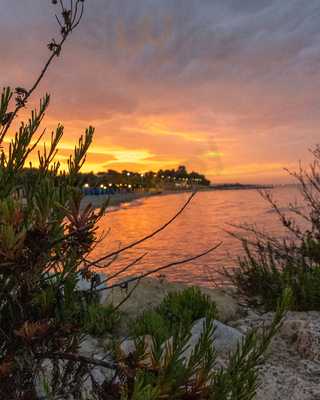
(75, 358)
(55, 52)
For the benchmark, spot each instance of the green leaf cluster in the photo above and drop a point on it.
(161, 367)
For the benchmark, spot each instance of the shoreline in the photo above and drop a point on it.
(117, 199)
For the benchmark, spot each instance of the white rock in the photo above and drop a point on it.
(42, 378)
(90, 348)
(84, 284)
(128, 347)
(151, 291)
(225, 339)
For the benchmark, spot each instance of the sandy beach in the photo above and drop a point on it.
(116, 199)
(127, 197)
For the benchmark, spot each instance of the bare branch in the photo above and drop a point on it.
(126, 268)
(66, 31)
(145, 238)
(172, 264)
(127, 296)
(76, 358)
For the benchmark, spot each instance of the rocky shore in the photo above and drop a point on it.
(291, 370)
(292, 366)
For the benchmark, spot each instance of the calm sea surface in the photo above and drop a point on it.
(202, 225)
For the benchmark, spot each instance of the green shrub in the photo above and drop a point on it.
(45, 238)
(270, 264)
(187, 306)
(99, 320)
(151, 323)
(176, 313)
(262, 277)
(160, 370)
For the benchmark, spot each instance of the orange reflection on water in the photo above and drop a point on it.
(201, 226)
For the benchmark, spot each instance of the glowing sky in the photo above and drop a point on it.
(230, 88)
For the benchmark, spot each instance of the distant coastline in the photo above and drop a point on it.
(119, 198)
(235, 186)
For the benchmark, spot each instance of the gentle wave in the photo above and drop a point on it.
(200, 226)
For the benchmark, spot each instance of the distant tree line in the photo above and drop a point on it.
(112, 181)
(130, 180)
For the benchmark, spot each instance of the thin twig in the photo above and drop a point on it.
(147, 237)
(172, 264)
(76, 358)
(127, 296)
(130, 265)
(42, 73)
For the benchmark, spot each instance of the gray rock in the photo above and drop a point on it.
(91, 348)
(128, 347)
(151, 291)
(308, 341)
(281, 383)
(291, 327)
(225, 338)
(292, 368)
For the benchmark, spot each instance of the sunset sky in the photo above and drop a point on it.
(230, 88)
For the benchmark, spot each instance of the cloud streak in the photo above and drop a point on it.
(178, 80)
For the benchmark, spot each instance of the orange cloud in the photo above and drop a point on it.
(228, 88)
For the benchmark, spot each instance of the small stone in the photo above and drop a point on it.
(128, 347)
(308, 341)
(291, 327)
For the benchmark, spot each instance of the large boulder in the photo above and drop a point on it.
(301, 330)
(225, 340)
(292, 368)
(151, 291)
(281, 383)
(91, 348)
(308, 341)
